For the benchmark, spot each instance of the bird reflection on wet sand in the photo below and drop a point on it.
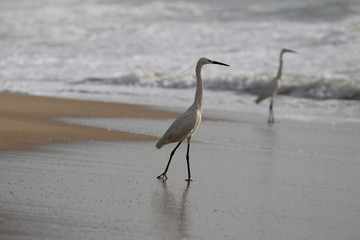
(171, 213)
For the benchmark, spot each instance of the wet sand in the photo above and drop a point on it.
(294, 180)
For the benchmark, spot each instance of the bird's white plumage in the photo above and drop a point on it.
(270, 90)
(273, 86)
(185, 125)
(182, 128)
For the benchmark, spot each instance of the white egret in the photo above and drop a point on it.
(184, 126)
(271, 89)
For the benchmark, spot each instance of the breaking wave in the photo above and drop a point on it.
(296, 86)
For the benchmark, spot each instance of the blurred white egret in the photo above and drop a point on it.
(184, 126)
(271, 89)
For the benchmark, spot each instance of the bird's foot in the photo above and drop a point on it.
(188, 180)
(162, 176)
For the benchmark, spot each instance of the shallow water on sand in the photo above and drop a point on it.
(293, 180)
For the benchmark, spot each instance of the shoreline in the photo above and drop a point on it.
(28, 121)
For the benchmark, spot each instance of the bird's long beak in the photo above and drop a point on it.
(289, 50)
(219, 63)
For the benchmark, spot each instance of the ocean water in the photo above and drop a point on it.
(145, 52)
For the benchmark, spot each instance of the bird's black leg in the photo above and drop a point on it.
(163, 175)
(271, 112)
(188, 163)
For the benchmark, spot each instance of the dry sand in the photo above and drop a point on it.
(294, 180)
(28, 120)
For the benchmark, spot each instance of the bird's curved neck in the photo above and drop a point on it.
(279, 73)
(199, 88)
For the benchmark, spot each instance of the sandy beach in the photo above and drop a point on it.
(60, 180)
(29, 120)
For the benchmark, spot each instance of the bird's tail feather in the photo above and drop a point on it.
(258, 100)
(160, 143)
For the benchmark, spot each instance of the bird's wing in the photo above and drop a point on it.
(181, 128)
(269, 90)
